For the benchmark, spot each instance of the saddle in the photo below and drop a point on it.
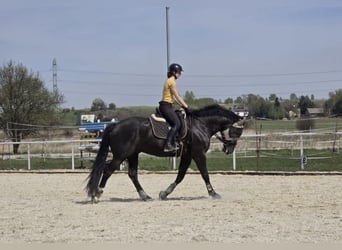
(160, 127)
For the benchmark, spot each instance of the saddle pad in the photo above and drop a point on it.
(161, 128)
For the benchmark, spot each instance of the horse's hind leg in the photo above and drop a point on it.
(133, 175)
(108, 171)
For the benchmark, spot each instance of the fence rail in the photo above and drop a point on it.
(249, 145)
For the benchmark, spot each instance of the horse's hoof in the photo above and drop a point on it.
(147, 198)
(94, 199)
(162, 195)
(99, 192)
(215, 196)
(144, 196)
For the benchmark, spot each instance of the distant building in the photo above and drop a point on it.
(241, 112)
(316, 112)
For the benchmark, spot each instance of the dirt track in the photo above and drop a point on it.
(54, 208)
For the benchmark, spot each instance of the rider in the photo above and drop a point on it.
(169, 95)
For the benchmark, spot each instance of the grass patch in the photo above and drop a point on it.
(268, 160)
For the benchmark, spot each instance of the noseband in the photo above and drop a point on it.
(226, 142)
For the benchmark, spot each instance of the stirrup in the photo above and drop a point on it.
(170, 148)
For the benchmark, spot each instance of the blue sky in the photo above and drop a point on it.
(116, 50)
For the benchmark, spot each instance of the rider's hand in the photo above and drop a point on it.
(187, 110)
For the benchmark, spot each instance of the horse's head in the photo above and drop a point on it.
(230, 136)
(235, 130)
(226, 122)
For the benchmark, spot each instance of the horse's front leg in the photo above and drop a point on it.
(201, 162)
(133, 175)
(183, 166)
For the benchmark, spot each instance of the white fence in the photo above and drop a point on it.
(77, 149)
(293, 141)
(72, 149)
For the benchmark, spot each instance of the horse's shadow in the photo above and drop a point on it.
(128, 200)
(192, 198)
(116, 199)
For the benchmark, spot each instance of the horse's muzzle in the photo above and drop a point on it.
(229, 146)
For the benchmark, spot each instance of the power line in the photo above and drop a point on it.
(188, 83)
(268, 74)
(219, 95)
(110, 73)
(205, 84)
(204, 75)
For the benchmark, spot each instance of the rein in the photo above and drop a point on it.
(222, 138)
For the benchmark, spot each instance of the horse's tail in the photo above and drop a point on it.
(99, 164)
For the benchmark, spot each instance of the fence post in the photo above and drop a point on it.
(28, 157)
(234, 159)
(72, 157)
(174, 161)
(301, 153)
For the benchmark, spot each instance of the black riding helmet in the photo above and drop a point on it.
(175, 68)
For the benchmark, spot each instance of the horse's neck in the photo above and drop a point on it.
(212, 124)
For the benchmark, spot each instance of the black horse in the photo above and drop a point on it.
(134, 135)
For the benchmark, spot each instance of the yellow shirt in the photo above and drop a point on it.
(167, 94)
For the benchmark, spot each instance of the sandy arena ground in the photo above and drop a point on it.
(53, 208)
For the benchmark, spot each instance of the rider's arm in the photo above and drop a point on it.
(177, 97)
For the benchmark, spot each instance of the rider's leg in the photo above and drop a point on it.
(170, 144)
(173, 120)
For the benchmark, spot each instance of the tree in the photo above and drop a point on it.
(201, 102)
(294, 98)
(98, 104)
(305, 123)
(334, 103)
(337, 109)
(276, 110)
(189, 97)
(272, 97)
(305, 103)
(229, 100)
(239, 100)
(276, 102)
(111, 106)
(24, 101)
(257, 106)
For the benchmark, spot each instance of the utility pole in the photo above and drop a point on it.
(54, 76)
(167, 38)
(173, 159)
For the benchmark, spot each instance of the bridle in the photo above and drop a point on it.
(231, 141)
(226, 142)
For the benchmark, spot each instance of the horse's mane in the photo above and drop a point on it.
(215, 110)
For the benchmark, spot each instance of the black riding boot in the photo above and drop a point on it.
(170, 141)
